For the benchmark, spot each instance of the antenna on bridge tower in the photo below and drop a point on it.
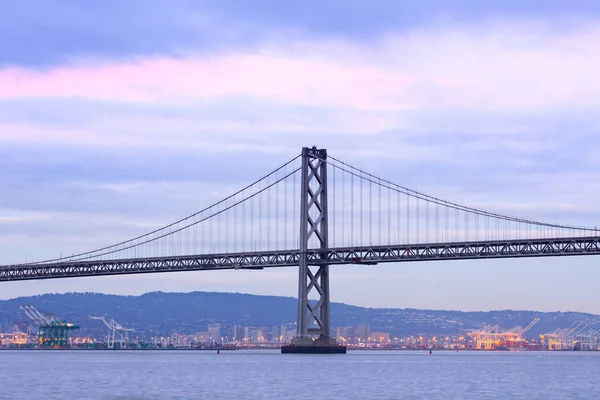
(313, 318)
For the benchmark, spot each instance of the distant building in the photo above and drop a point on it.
(239, 333)
(256, 336)
(276, 334)
(214, 333)
(202, 337)
(363, 332)
(345, 334)
(180, 341)
(287, 333)
(283, 332)
(259, 335)
(380, 337)
(290, 333)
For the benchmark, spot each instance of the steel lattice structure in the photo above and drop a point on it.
(291, 258)
(313, 224)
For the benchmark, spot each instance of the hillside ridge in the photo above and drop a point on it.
(163, 313)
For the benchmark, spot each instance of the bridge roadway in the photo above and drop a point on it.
(287, 258)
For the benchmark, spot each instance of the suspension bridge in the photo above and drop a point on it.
(313, 212)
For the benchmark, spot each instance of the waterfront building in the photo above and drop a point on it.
(276, 334)
(380, 337)
(239, 333)
(214, 333)
(346, 334)
(202, 337)
(363, 332)
(290, 333)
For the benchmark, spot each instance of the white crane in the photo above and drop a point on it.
(520, 331)
(565, 338)
(116, 332)
(37, 317)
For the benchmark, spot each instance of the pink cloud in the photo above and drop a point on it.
(269, 77)
(514, 66)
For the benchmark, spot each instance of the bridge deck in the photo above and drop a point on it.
(288, 258)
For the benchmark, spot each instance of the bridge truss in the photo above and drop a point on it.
(291, 258)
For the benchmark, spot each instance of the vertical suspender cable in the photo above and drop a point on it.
(418, 222)
(296, 205)
(352, 210)
(437, 223)
(398, 240)
(235, 227)
(218, 224)
(276, 212)
(370, 212)
(446, 229)
(389, 216)
(379, 210)
(343, 206)
(285, 210)
(260, 235)
(253, 234)
(456, 227)
(268, 217)
(426, 221)
(362, 243)
(466, 226)
(408, 238)
(333, 215)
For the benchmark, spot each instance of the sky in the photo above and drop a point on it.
(119, 117)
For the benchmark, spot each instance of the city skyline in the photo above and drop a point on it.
(163, 314)
(236, 336)
(100, 143)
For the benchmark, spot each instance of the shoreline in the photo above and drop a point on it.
(279, 348)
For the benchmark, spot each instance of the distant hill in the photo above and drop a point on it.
(161, 314)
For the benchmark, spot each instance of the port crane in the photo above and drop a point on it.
(52, 332)
(520, 331)
(493, 337)
(117, 333)
(572, 337)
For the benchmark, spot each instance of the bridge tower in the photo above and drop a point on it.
(313, 316)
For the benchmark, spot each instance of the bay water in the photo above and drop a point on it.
(267, 374)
